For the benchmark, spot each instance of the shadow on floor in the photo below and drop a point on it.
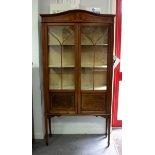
(74, 145)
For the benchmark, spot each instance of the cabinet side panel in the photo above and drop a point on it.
(110, 67)
(45, 68)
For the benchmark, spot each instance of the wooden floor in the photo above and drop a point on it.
(76, 145)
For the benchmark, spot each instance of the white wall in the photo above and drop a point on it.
(37, 104)
(107, 6)
(60, 125)
(78, 125)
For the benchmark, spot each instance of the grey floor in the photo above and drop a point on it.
(117, 138)
(78, 145)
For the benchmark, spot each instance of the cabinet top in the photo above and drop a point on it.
(77, 16)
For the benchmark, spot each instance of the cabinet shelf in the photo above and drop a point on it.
(82, 67)
(94, 69)
(63, 67)
(61, 90)
(95, 88)
(63, 45)
(94, 45)
(102, 67)
(100, 88)
(68, 88)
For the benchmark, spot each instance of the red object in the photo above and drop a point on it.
(117, 73)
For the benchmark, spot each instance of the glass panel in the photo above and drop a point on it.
(94, 35)
(54, 56)
(94, 48)
(87, 79)
(100, 80)
(55, 79)
(61, 57)
(100, 56)
(68, 79)
(61, 35)
(87, 56)
(68, 56)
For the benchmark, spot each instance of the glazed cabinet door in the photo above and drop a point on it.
(61, 75)
(94, 50)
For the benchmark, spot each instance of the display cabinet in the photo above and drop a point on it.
(77, 52)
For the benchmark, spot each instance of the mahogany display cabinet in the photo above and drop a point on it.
(77, 52)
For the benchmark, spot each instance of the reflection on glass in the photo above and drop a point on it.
(61, 80)
(68, 79)
(54, 79)
(54, 56)
(93, 57)
(87, 79)
(68, 56)
(100, 56)
(100, 80)
(87, 56)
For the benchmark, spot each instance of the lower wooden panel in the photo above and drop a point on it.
(62, 102)
(93, 102)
